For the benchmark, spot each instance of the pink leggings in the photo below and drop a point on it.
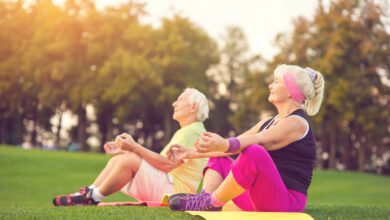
(255, 171)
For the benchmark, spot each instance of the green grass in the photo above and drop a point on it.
(30, 178)
(340, 188)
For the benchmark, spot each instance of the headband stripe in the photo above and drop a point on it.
(293, 88)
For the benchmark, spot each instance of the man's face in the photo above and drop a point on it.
(182, 107)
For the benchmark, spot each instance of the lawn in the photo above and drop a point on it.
(30, 178)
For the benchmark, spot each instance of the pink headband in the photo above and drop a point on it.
(293, 88)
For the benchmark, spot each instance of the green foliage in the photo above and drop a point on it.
(184, 53)
(66, 58)
(232, 74)
(349, 44)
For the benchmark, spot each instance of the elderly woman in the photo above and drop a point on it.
(274, 169)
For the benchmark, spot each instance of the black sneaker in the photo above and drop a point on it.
(81, 198)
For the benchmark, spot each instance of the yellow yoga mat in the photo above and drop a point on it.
(231, 212)
(234, 215)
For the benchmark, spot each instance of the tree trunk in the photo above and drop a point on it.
(345, 159)
(7, 129)
(355, 147)
(320, 148)
(332, 146)
(2, 130)
(59, 127)
(103, 140)
(17, 133)
(167, 125)
(34, 132)
(361, 158)
(361, 152)
(104, 120)
(106, 130)
(82, 125)
(325, 145)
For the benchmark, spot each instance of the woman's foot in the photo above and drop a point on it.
(189, 202)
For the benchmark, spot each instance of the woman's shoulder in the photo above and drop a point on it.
(264, 122)
(300, 123)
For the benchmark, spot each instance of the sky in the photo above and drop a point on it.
(261, 20)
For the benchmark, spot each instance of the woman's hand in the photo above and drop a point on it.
(211, 142)
(125, 142)
(112, 148)
(177, 152)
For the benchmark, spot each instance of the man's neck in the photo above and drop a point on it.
(187, 121)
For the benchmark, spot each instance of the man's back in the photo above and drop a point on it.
(187, 176)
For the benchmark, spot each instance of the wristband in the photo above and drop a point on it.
(234, 145)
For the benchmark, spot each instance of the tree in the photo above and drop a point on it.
(17, 88)
(230, 76)
(183, 52)
(349, 44)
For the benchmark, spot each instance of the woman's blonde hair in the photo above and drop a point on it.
(310, 82)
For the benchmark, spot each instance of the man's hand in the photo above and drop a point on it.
(211, 142)
(125, 142)
(177, 152)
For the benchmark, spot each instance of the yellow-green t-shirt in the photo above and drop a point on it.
(188, 175)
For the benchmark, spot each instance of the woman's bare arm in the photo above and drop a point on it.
(278, 136)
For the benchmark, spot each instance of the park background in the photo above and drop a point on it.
(73, 76)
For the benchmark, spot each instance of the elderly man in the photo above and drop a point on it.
(144, 174)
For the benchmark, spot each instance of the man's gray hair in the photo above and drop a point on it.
(196, 97)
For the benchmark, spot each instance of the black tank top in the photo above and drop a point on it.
(296, 161)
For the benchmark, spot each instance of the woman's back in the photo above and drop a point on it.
(296, 161)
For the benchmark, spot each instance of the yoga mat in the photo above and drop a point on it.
(236, 215)
(229, 211)
(162, 203)
(146, 203)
